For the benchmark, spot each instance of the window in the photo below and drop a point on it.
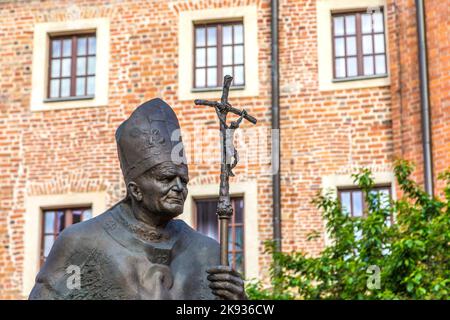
(359, 48)
(65, 95)
(72, 66)
(55, 221)
(353, 202)
(207, 223)
(245, 17)
(218, 51)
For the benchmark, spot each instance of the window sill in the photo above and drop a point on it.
(50, 100)
(69, 103)
(216, 89)
(360, 78)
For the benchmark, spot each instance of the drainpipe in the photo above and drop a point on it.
(275, 128)
(424, 97)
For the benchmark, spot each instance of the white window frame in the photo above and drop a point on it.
(324, 9)
(249, 191)
(187, 19)
(331, 184)
(41, 50)
(34, 206)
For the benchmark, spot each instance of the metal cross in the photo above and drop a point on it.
(224, 208)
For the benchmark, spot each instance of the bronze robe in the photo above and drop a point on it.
(119, 257)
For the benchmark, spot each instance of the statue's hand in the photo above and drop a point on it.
(226, 283)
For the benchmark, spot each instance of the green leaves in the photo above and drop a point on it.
(411, 257)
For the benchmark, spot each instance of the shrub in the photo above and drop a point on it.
(370, 258)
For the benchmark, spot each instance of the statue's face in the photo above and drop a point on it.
(164, 189)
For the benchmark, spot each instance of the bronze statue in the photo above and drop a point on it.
(136, 249)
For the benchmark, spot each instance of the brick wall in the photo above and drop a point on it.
(438, 42)
(323, 132)
(405, 85)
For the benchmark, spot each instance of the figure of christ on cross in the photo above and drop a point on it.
(228, 151)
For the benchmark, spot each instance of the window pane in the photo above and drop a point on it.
(230, 259)
(67, 47)
(92, 45)
(378, 22)
(226, 34)
(339, 49)
(367, 44)
(207, 224)
(368, 66)
(54, 88)
(227, 55)
(357, 203)
(239, 207)
(366, 22)
(76, 216)
(340, 67)
(200, 59)
(230, 239)
(81, 46)
(48, 243)
(350, 22)
(200, 37)
(200, 80)
(212, 77)
(66, 67)
(212, 56)
(87, 214)
(379, 43)
(81, 84)
(351, 46)
(206, 218)
(212, 36)
(374, 193)
(384, 198)
(238, 34)
(380, 64)
(61, 221)
(239, 241)
(91, 65)
(49, 222)
(352, 67)
(65, 87)
(90, 85)
(345, 201)
(239, 263)
(55, 222)
(338, 26)
(56, 48)
(56, 66)
(238, 75)
(81, 66)
(227, 70)
(238, 54)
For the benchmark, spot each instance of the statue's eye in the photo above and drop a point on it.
(167, 178)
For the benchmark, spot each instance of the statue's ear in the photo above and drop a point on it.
(135, 191)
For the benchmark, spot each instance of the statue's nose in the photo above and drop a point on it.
(178, 185)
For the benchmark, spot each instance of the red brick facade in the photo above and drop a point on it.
(405, 93)
(322, 132)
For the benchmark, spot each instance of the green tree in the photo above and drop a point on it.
(371, 258)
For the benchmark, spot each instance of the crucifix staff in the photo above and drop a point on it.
(224, 207)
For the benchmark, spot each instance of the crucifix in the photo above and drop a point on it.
(228, 152)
